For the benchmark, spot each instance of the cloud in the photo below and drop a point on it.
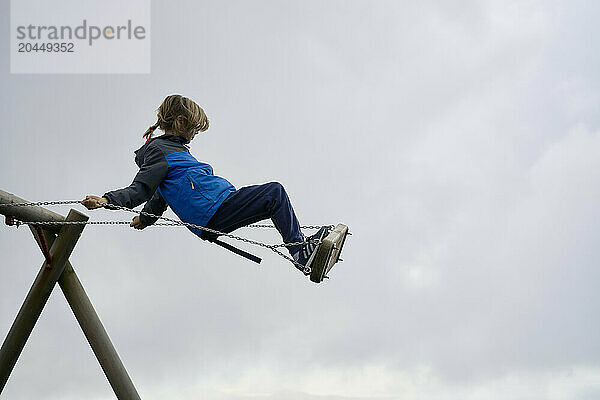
(455, 142)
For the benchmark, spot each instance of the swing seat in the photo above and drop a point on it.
(328, 253)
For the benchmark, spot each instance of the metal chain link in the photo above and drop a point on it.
(67, 202)
(50, 223)
(170, 222)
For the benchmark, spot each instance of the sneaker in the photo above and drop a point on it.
(307, 253)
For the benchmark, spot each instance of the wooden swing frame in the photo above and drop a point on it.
(57, 243)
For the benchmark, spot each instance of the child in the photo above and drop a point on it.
(170, 175)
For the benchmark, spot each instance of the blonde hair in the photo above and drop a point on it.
(179, 115)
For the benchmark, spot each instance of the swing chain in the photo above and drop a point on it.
(170, 222)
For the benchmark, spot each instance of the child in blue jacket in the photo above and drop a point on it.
(170, 175)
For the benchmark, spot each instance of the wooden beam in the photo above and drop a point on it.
(38, 295)
(29, 213)
(74, 293)
(94, 331)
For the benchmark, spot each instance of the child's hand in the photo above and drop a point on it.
(92, 202)
(136, 223)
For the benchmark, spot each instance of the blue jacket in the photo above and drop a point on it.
(169, 174)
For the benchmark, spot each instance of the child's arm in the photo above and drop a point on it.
(156, 205)
(154, 169)
(152, 172)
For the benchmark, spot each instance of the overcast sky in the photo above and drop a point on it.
(460, 142)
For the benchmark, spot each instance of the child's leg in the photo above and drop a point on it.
(255, 203)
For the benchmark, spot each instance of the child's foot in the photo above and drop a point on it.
(306, 254)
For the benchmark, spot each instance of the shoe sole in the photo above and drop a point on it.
(328, 253)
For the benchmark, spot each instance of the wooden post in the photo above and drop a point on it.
(76, 297)
(38, 295)
(94, 331)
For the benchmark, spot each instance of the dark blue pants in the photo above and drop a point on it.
(251, 204)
